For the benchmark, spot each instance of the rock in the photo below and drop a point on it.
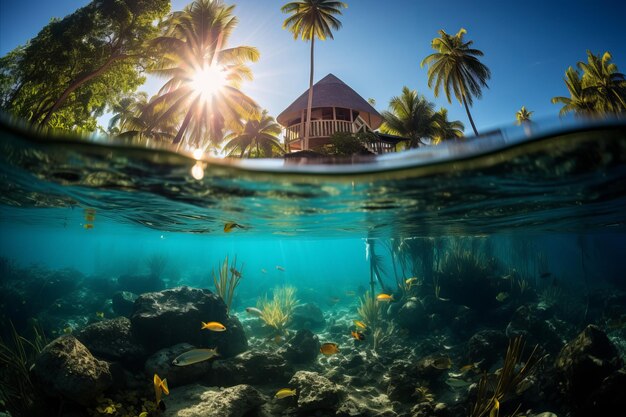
(161, 363)
(303, 348)
(430, 368)
(316, 392)
(166, 318)
(402, 382)
(307, 316)
(113, 340)
(538, 327)
(608, 397)
(487, 346)
(586, 361)
(123, 303)
(199, 401)
(412, 316)
(251, 367)
(66, 368)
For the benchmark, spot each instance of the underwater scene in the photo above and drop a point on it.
(470, 279)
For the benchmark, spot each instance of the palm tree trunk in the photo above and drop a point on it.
(79, 82)
(469, 115)
(307, 126)
(183, 127)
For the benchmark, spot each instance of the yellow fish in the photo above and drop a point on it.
(278, 339)
(285, 392)
(160, 388)
(143, 414)
(411, 281)
(502, 296)
(213, 326)
(230, 226)
(194, 356)
(88, 226)
(329, 348)
(100, 314)
(357, 335)
(386, 298)
(89, 217)
(67, 330)
(360, 324)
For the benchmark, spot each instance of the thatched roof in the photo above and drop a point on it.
(330, 91)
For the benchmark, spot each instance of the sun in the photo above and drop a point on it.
(208, 81)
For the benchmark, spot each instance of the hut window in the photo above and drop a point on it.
(294, 122)
(327, 113)
(343, 114)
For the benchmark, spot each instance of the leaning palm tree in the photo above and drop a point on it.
(579, 102)
(445, 129)
(411, 116)
(312, 19)
(204, 76)
(523, 115)
(148, 122)
(456, 68)
(257, 138)
(603, 83)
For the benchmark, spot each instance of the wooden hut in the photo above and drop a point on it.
(336, 108)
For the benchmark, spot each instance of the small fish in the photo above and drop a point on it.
(89, 217)
(235, 273)
(160, 388)
(334, 300)
(88, 226)
(386, 298)
(263, 270)
(441, 362)
(495, 411)
(253, 311)
(329, 348)
(67, 330)
(350, 294)
(280, 268)
(409, 282)
(501, 297)
(194, 356)
(213, 326)
(357, 335)
(545, 275)
(230, 226)
(360, 324)
(470, 367)
(285, 392)
(100, 314)
(457, 383)
(143, 414)
(278, 339)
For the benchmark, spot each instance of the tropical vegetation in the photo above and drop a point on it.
(412, 116)
(523, 115)
(227, 279)
(277, 311)
(310, 19)
(599, 90)
(455, 68)
(256, 138)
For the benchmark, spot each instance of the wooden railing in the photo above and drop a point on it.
(319, 129)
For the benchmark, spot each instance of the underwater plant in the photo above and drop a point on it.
(512, 373)
(376, 264)
(17, 356)
(276, 312)
(369, 310)
(227, 279)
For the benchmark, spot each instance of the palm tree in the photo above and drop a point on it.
(445, 129)
(257, 138)
(124, 110)
(411, 116)
(523, 115)
(579, 102)
(603, 83)
(204, 76)
(148, 122)
(312, 19)
(455, 66)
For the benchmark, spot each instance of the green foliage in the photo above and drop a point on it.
(523, 115)
(67, 75)
(17, 355)
(276, 312)
(412, 116)
(313, 18)
(194, 41)
(346, 144)
(455, 68)
(369, 310)
(256, 138)
(600, 90)
(227, 280)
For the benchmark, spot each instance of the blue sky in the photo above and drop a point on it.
(528, 46)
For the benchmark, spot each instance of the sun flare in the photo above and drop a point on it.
(207, 81)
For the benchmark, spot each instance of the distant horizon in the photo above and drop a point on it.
(379, 50)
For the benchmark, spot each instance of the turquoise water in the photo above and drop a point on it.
(541, 212)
